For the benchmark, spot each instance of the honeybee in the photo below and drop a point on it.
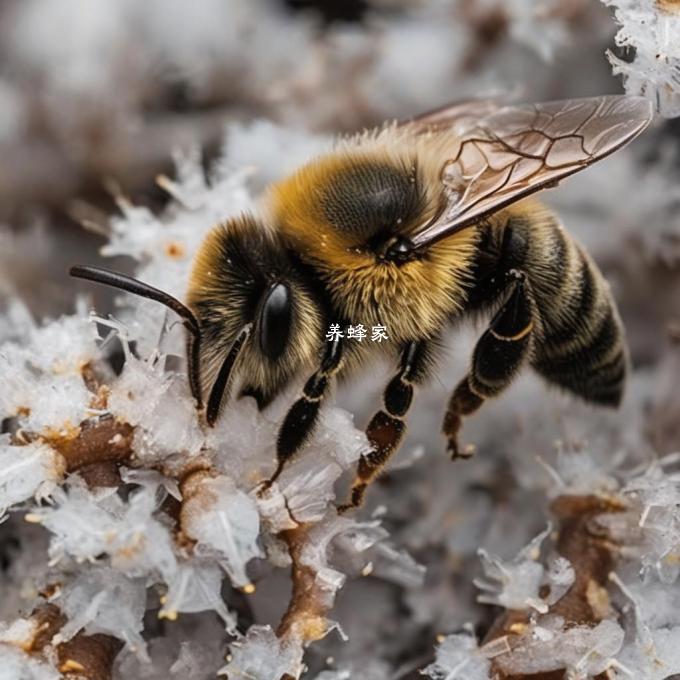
(414, 226)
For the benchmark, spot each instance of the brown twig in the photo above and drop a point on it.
(592, 556)
(305, 618)
(85, 657)
(88, 657)
(96, 450)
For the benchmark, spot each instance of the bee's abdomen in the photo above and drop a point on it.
(581, 346)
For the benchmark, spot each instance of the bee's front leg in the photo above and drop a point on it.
(387, 427)
(497, 358)
(300, 421)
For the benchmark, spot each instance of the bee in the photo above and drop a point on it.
(415, 226)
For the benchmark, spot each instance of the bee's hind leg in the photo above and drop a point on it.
(387, 427)
(497, 358)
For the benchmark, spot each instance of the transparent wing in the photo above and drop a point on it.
(515, 151)
(456, 116)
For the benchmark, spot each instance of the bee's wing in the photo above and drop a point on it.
(518, 150)
(456, 116)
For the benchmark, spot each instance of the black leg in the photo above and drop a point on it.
(387, 427)
(497, 358)
(194, 367)
(300, 421)
(222, 381)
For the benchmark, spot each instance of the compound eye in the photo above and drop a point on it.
(274, 321)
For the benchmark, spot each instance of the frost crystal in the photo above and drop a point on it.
(26, 471)
(87, 525)
(224, 522)
(16, 665)
(262, 655)
(146, 396)
(459, 658)
(42, 375)
(582, 650)
(650, 30)
(196, 587)
(519, 581)
(102, 600)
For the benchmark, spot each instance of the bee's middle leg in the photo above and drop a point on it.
(387, 427)
(497, 358)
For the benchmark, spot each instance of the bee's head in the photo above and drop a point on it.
(251, 312)
(243, 276)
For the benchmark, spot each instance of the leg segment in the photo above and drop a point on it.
(301, 418)
(386, 429)
(223, 380)
(497, 358)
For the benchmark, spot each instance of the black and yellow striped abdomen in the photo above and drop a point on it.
(578, 341)
(581, 346)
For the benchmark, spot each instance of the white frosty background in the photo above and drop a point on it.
(134, 544)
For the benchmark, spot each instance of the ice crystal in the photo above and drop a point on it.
(651, 525)
(262, 655)
(459, 658)
(43, 383)
(146, 395)
(225, 523)
(19, 665)
(196, 587)
(103, 600)
(649, 30)
(582, 650)
(87, 525)
(519, 581)
(26, 471)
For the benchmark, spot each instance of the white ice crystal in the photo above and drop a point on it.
(88, 524)
(145, 395)
(308, 483)
(318, 551)
(195, 587)
(17, 665)
(225, 523)
(103, 600)
(458, 658)
(394, 565)
(164, 245)
(42, 374)
(652, 653)
(25, 471)
(262, 655)
(516, 584)
(651, 526)
(243, 445)
(19, 633)
(581, 473)
(270, 150)
(582, 650)
(650, 29)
